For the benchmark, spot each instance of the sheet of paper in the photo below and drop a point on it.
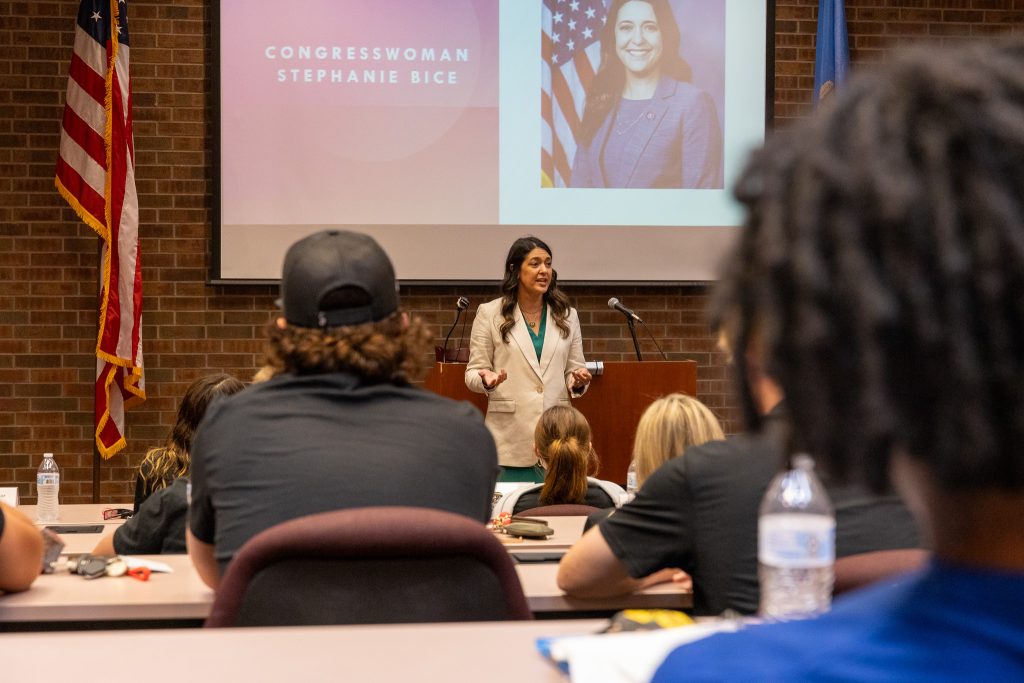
(625, 657)
(154, 565)
(9, 495)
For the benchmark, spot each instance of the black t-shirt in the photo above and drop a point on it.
(596, 496)
(699, 512)
(159, 525)
(299, 445)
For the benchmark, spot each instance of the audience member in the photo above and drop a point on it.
(563, 446)
(669, 426)
(164, 464)
(698, 514)
(158, 525)
(338, 425)
(21, 550)
(881, 270)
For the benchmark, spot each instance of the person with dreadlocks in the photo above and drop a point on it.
(881, 272)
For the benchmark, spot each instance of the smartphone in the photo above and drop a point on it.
(538, 557)
(76, 528)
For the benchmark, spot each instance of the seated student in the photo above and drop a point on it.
(882, 265)
(21, 550)
(697, 515)
(339, 425)
(562, 444)
(158, 525)
(164, 464)
(669, 426)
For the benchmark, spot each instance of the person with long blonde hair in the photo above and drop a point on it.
(564, 448)
(668, 427)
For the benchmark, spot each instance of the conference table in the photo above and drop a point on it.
(481, 651)
(179, 598)
(79, 515)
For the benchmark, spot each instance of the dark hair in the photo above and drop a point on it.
(562, 436)
(385, 351)
(163, 465)
(882, 269)
(554, 298)
(605, 89)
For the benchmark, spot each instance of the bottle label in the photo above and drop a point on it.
(47, 479)
(796, 540)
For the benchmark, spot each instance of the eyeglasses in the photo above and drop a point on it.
(118, 513)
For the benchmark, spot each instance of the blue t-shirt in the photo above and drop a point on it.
(947, 623)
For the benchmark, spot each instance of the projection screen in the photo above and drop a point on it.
(448, 128)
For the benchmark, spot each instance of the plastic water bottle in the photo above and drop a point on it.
(796, 544)
(47, 488)
(631, 485)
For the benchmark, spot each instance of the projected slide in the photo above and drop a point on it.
(465, 123)
(377, 112)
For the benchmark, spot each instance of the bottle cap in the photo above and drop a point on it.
(802, 461)
(47, 455)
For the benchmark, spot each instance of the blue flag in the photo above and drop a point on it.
(832, 54)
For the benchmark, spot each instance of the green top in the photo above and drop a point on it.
(538, 339)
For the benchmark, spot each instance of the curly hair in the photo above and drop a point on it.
(882, 265)
(164, 464)
(554, 297)
(669, 426)
(562, 437)
(606, 88)
(390, 350)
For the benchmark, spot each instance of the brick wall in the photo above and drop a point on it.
(48, 258)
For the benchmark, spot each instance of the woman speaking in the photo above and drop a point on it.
(526, 354)
(644, 125)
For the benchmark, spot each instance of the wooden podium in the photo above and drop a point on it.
(613, 404)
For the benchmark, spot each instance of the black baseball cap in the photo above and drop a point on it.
(330, 260)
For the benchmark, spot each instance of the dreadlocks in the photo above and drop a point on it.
(882, 267)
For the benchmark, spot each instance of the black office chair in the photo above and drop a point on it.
(370, 566)
(561, 510)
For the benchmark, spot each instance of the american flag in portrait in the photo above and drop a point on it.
(571, 54)
(96, 176)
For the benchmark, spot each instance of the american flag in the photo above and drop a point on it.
(571, 53)
(96, 176)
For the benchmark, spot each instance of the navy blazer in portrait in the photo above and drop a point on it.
(676, 144)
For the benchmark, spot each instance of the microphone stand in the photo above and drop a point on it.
(444, 349)
(632, 333)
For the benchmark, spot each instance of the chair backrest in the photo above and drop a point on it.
(564, 510)
(854, 571)
(370, 566)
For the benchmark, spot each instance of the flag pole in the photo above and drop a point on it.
(97, 458)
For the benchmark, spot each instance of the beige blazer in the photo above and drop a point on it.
(515, 405)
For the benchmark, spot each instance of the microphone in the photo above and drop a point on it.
(615, 304)
(461, 304)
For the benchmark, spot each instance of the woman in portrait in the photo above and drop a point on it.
(526, 354)
(644, 124)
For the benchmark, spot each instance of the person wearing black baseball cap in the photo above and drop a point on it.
(338, 424)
